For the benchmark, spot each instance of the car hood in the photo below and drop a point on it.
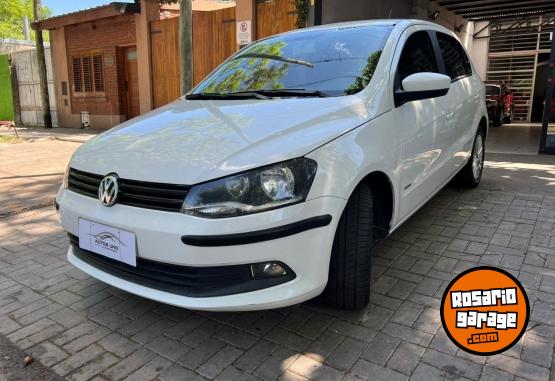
(191, 141)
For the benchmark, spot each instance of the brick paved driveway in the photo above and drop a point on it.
(84, 329)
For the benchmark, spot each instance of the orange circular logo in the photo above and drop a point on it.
(485, 310)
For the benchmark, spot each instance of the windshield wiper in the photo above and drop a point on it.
(289, 93)
(276, 58)
(259, 94)
(224, 96)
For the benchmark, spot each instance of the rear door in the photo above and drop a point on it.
(460, 116)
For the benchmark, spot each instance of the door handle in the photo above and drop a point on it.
(450, 115)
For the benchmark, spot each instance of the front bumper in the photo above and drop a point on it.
(160, 238)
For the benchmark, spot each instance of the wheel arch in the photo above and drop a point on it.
(483, 125)
(383, 202)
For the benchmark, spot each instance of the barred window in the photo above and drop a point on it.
(88, 74)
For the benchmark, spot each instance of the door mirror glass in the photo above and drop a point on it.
(422, 86)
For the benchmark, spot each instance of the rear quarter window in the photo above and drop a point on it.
(456, 61)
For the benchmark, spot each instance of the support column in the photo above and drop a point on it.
(149, 11)
(549, 96)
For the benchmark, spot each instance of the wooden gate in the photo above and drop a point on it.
(164, 45)
(275, 16)
(213, 41)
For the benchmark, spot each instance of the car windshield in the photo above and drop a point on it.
(493, 90)
(330, 62)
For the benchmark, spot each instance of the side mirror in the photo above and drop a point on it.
(422, 86)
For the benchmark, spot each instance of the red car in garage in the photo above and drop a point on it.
(499, 101)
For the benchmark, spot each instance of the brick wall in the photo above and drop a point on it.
(106, 36)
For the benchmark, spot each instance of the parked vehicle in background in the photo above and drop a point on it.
(500, 105)
(270, 182)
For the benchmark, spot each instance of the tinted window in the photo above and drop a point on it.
(493, 90)
(417, 56)
(335, 61)
(456, 60)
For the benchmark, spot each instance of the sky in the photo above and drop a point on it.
(66, 6)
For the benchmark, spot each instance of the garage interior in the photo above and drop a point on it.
(508, 40)
(521, 52)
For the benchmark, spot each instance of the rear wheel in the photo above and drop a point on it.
(471, 174)
(509, 118)
(350, 264)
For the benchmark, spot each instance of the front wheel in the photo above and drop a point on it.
(350, 264)
(471, 174)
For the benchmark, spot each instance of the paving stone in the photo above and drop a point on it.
(312, 369)
(409, 334)
(405, 358)
(232, 373)
(118, 345)
(48, 353)
(77, 360)
(368, 371)
(276, 364)
(196, 357)
(537, 351)
(93, 368)
(452, 364)
(150, 370)
(346, 354)
(253, 357)
(178, 373)
(128, 365)
(168, 348)
(492, 374)
(216, 364)
(519, 368)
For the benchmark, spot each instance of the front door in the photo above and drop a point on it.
(131, 82)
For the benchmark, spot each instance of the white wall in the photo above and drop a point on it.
(479, 50)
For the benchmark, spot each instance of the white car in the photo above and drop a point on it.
(268, 184)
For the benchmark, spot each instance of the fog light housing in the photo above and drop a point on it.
(268, 270)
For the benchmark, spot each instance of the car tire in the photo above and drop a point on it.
(471, 174)
(509, 118)
(498, 119)
(348, 285)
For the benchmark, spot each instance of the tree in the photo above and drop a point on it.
(42, 67)
(185, 43)
(11, 17)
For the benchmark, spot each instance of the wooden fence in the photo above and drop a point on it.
(214, 39)
(275, 16)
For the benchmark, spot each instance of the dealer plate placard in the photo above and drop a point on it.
(108, 241)
(485, 310)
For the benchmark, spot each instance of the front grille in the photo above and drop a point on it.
(181, 280)
(142, 194)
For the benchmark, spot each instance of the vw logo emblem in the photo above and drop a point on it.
(108, 190)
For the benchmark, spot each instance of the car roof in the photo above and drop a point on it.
(377, 22)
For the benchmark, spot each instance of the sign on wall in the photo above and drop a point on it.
(244, 32)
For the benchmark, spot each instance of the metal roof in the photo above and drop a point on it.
(477, 10)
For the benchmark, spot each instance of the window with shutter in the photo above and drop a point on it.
(98, 74)
(88, 74)
(77, 75)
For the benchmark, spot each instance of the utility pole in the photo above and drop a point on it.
(37, 10)
(186, 45)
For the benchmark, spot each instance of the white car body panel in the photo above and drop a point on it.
(419, 146)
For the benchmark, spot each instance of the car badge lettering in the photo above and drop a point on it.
(108, 190)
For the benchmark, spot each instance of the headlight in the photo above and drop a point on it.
(65, 182)
(254, 191)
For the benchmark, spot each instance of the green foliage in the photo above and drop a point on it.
(251, 73)
(11, 17)
(367, 74)
(302, 12)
